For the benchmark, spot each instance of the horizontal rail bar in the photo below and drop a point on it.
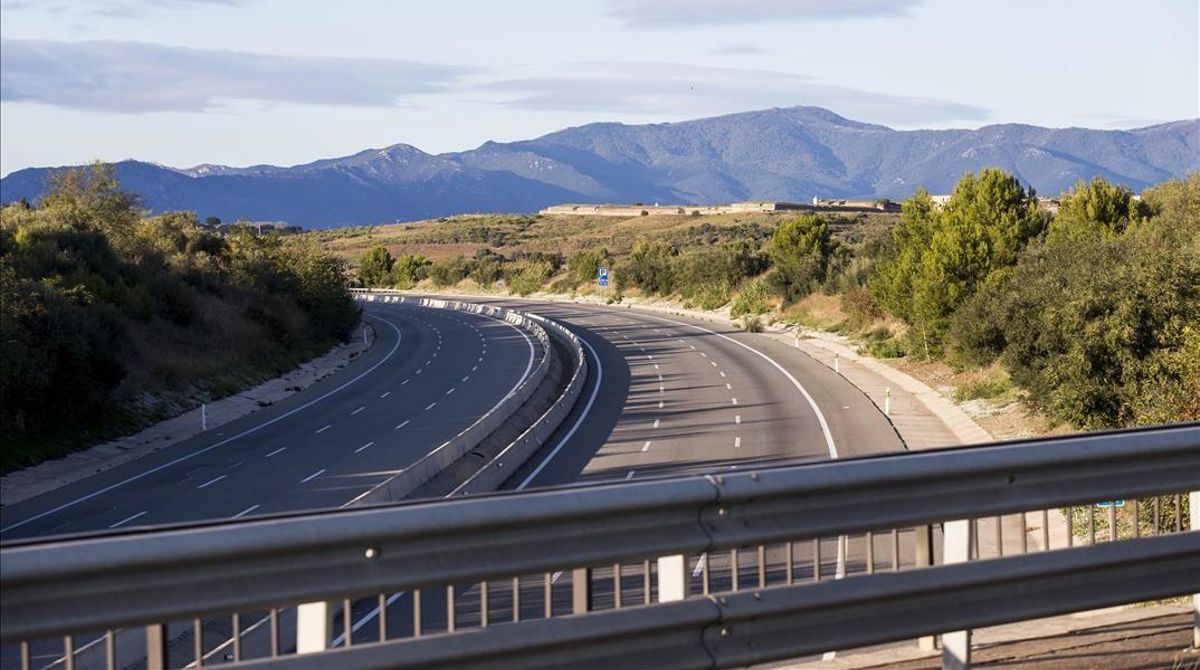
(109, 580)
(780, 622)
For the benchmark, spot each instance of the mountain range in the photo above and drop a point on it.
(793, 154)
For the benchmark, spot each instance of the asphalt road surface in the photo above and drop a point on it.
(416, 387)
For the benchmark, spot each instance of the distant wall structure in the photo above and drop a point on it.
(744, 207)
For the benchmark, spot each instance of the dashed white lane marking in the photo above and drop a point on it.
(474, 368)
(431, 405)
(703, 354)
(322, 430)
(728, 386)
(737, 419)
(365, 446)
(385, 394)
(451, 390)
(629, 476)
(692, 346)
(275, 452)
(313, 476)
(662, 389)
(714, 363)
(646, 446)
(656, 423)
(737, 443)
(656, 366)
(722, 374)
(734, 400)
(212, 481)
(479, 360)
(466, 378)
(245, 511)
(681, 341)
(660, 377)
(403, 424)
(421, 370)
(358, 410)
(660, 404)
(404, 382)
(122, 522)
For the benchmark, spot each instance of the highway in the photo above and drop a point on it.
(416, 387)
(665, 395)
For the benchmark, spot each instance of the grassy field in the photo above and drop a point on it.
(512, 233)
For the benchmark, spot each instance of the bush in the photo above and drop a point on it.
(987, 388)
(751, 299)
(860, 307)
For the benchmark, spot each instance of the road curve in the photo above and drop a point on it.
(415, 388)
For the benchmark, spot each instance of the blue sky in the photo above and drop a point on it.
(239, 82)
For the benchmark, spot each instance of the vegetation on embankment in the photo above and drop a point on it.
(1093, 313)
(111, 320)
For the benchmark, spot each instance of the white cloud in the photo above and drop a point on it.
(138, 77)
(670, 13)
(675, 90)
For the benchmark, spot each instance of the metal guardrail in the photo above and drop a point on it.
(70, 586)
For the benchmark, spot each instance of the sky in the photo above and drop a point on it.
(242, 82)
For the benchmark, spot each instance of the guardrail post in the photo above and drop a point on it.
(314, 626)
(924, 558)
(956, 548)
(581, 590)
(1194, 511)
(156, 646)
(672, 578)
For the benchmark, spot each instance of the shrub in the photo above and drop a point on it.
(987, 388)
(751, 299)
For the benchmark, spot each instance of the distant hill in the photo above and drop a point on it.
(786, 154)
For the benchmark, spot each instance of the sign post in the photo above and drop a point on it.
(602, 276)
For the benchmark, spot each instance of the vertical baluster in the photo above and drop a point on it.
(999, 536)
(69, 652)
(274, 632)
(734, 569)
(870, 539)
(110, 650)
(1091, 524)
(451, 613)
(516, 599)
(762, 566)
(383, 605)
(1137, 518)
(816, 559)
(483, 604)
(1045, 530)
(790, 557)
(1157, 515)
(548, 595)
(1024, 534)
(895, 550)
(1070, 527)
(705, 573)
(976, 533)
(1112, 522)
(616, 585)
(646, 581)
(237, 637)
(417, 613)
(347, 621)
(198, 642)
(1178, 514)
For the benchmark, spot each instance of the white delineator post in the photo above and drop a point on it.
(956, 548)
(837, 363)
(887, 401)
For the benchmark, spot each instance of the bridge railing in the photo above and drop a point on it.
(721, 570)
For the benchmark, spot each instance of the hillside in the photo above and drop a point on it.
(788, 154)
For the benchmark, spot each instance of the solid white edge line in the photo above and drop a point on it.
(578, 422)
(124, 521)
(313, 476)
(245, 512)
(215, 445)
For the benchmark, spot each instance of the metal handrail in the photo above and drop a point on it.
(72, 584)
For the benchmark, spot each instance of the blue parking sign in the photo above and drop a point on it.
(602, 276)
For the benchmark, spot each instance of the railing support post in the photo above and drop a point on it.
(672, 578)
(956, 548)
(1194, 511)
(923, 559)
(581, 590)
(314, 627)
(156, 646)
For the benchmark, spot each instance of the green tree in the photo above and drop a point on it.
(800, 251)
(409, 269)
(375, 267)
(650, 268)
(1095, 209)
